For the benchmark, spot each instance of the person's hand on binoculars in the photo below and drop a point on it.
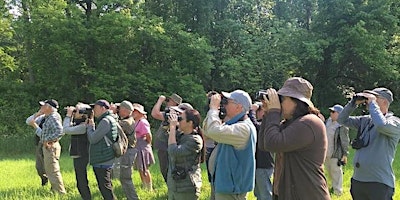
(364, 97)
(215, 100)
(173, 119)
(70, 110)
(272, 101)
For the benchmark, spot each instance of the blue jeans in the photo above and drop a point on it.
(263, 187)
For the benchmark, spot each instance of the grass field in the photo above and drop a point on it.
(18, 180)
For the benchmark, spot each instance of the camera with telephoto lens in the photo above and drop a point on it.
(167, 113)
(340, 163)
(224, 101)
(179, 173)
(86, 111)
(260, 96)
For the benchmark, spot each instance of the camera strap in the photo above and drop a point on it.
(361, 136)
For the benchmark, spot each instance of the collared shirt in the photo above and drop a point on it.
(237, 134)
(331, 127)
(52, 127)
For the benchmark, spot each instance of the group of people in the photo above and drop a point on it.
(284, 136)
(91, 128)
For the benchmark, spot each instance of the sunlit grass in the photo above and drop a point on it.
(19, 180)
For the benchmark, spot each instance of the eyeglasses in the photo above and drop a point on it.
(332, 111)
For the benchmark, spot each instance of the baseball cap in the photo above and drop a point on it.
(240, 97)
(383, 92)
(103, 103)
(337, 108)
(53, 103)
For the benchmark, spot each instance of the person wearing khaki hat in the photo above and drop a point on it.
(300, 141)
(126, 163)
(161, 136)
(175, 98)
(127, 105)
(378, 134)
(145, 156)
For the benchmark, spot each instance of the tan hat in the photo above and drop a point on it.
(182, 107)
(185, 106)
(176, 98)
(139, 108)
(298, 88)
(126, 104)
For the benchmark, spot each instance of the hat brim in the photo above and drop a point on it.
(371, 92)
(174, 100)
(293, 94)
(176, 108)
(141, 111)
(226, 94)
(41, 103)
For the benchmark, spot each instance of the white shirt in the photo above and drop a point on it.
(331, 127)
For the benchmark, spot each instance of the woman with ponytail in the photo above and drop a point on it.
(185, 151)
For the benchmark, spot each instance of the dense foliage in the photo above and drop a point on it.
(75, 50)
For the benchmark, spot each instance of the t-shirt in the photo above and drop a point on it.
(142, 128)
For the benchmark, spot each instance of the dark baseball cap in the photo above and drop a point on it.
(103, 103)
(53, 103)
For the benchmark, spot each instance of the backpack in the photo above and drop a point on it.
(120, 145)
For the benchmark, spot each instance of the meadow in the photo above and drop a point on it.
(19, 180)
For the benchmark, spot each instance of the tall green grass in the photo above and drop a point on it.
(18, 180)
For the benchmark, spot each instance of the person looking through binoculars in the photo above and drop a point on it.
(378, 134)
(186, 151)
(74, 124)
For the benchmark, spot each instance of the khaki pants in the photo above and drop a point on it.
(219, 196)
(51, 156)
(183, 195)
(336, 174)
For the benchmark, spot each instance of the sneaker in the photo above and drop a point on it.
(44, 181)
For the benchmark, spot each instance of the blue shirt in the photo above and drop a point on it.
(373, 163)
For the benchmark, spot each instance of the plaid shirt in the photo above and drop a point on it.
(52, 127)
